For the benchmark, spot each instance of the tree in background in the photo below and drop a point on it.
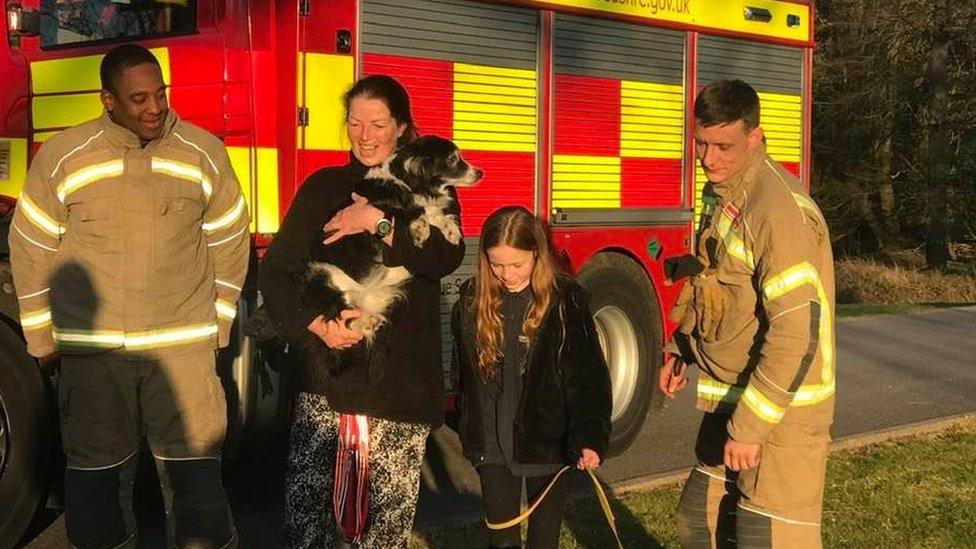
(894, 115)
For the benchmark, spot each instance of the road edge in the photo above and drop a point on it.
(839, 444)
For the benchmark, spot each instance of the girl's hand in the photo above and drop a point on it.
(355, 218)
(589, 460)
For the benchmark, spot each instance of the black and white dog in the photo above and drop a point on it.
(413, 187)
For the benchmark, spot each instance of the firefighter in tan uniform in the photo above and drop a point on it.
(129, 249)
(758, 320)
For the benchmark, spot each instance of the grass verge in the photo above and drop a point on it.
(912, 492)
(871, 282)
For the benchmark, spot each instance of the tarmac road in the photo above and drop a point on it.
(893, 370)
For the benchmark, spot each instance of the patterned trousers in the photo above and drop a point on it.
(396, 450)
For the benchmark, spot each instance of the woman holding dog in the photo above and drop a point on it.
(533, 390)
(397, 382)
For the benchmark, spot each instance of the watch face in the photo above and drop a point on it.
(383, 227)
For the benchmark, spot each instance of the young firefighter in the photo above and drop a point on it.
(758, 320)
(129, 247)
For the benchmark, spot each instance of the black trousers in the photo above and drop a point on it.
(502, 495)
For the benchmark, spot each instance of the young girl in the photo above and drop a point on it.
(533, 390)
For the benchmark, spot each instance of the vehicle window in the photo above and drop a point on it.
(67, 22)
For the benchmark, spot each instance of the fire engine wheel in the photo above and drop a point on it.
(26, 437)
(628, 322)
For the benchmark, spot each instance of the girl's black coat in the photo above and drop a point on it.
(565, 401)
(400, 377)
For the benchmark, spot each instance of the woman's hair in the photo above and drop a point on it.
(516, 227)
(387, 89)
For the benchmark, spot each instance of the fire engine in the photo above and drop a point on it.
(580, 110)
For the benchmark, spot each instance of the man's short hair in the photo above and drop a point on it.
(121, 58)
(726, 102)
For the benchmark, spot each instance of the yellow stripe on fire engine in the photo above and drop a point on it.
(13, 165)
(495, 108)
(781, 118)
(585, 182)
(52, 79)
(327, 77)
(643, 106)
(260, 182)
(725, 15)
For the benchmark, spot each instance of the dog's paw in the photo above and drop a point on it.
(420, 231)
(452, 232)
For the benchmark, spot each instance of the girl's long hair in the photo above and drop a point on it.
(516, 227)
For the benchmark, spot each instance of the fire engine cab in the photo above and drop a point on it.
(580, 110)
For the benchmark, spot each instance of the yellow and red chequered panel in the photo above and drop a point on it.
(618, 143)
(585, 182)
(586, 114)
(490, 112)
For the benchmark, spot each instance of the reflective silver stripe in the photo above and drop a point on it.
(125, 459)
(31, 240)
(228, 239)
(87, 175)
(227, 218)
(194, 145)
(35, 294)
(227, 284)
(74, 150)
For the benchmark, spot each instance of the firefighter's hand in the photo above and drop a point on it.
(355, 218)
(671, 379)
(335, 333)
(588, 460)
(740, 456)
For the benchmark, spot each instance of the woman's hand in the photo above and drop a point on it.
(589, 460)
(335, 333)
(355, 218)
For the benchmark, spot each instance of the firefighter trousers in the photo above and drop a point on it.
(775, 505)
(107, 403)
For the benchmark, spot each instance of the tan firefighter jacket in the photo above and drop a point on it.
(118, 246)
(760, 319)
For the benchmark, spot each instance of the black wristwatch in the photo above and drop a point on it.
(383, 227)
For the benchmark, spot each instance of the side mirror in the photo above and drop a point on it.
(22, 21)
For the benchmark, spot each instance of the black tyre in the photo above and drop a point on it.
(628, 321)
(27, 433)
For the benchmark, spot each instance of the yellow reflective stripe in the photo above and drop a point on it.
(716, 391)
(39, 218)
(226, 309)
(806, 395)
(89, 338)
(762, 406)
(734, 245)
(229, 217)
(180, 170)
(162, 338)
(36, 319)
(134, 340)
(795, 277)
(89, 174)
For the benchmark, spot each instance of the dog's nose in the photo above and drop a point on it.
(478, 173)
